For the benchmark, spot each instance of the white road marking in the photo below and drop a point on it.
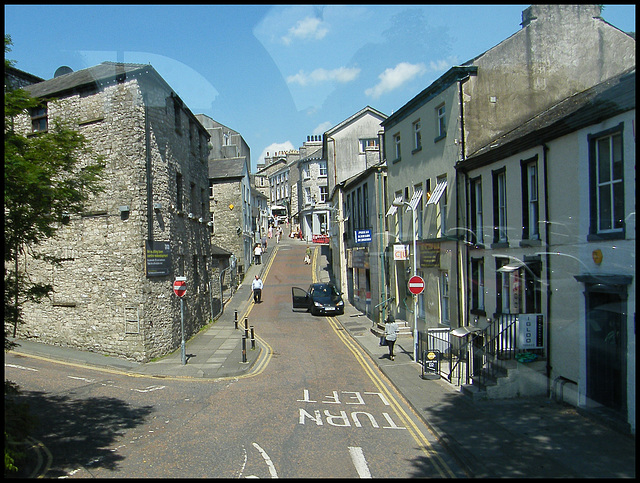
(21, 367)
(272, 469)
(357, 456)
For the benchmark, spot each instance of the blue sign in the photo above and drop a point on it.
(363, 236)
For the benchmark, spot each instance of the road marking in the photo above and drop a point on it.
(272, 469)
(357, 456)
(15, 366)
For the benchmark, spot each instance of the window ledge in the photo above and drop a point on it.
(500, 245)
(417, 150)
(530, 243)
(397, 160)
(439, 138)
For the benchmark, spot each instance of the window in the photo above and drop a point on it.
(178, 192)
(305, 172)
(499, 207)
(441, 124)
(307, 195)
(323, 169)
(476, 234)
(444, 298)
(177, 107)
(368, 143)
(503, 304)
(606, 176)
(39, 119)
(324, 193)
(530, 207)
(417, 138)
(365, 206)
(396, 142)
(532, 286)
(417, 203)
(477, 285)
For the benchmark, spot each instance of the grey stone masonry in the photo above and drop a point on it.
(155, 188)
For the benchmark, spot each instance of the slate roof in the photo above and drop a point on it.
(226, 168)
(591, 106)
(105, 72)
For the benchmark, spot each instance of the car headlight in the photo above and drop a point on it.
(341, 303)
(317, 304)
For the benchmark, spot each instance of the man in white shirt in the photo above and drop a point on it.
(257, 254)
(256, 286)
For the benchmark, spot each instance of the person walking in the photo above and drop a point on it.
(307, 256)
(256, 286)
(391, 334)
(257, 254)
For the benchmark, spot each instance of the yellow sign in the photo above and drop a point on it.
(597, 256)
(231, 206)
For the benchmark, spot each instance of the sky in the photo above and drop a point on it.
(274, 73)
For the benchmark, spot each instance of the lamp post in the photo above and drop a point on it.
(415, 270)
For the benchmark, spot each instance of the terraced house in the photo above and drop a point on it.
(113, 291)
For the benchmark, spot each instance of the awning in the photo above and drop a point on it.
(392, 209)
(437, 192)
(415, 199)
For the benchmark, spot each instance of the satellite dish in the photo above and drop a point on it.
(62, 71)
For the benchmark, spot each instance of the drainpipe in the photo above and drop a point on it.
(380, 245)
(335, 172)
(461, 293)
(545, 151)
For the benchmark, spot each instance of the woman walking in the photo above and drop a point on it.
(391, 334)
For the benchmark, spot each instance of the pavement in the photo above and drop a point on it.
(510, 438)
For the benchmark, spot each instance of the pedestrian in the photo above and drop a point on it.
(307, 256)
(257, 254)
(256, 286)
(391, 334)
(264, 243)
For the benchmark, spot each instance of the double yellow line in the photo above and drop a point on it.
(383, 387)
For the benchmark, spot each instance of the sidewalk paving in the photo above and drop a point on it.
(514, 438)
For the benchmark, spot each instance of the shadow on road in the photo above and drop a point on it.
(79, 432)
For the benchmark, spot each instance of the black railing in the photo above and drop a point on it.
(479, 356)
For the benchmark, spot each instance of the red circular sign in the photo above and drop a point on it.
(180, 287)
(416, 285)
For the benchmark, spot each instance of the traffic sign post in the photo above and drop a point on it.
(180, 288)
(416, 285)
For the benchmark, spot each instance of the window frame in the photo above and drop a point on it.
(441, 122)
(595, 208)
(417, 136)
(530, 199)
(500, 233)
(39, 115)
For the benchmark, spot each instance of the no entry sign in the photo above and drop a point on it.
(180, 286)
(416, 285)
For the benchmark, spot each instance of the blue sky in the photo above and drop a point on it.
(274, 73)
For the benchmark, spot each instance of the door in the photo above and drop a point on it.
(606, 349)
(300, 298)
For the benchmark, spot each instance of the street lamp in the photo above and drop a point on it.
(415, 268)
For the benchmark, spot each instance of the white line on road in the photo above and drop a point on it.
(272, 469)
(21, 367)
(357, 456)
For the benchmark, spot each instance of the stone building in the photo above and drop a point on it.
(113, 290)
(231, 223)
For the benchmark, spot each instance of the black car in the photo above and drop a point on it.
(321, 298)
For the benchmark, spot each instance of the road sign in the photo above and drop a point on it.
(180, 286)
(416, 285)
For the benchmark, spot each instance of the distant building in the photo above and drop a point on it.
(231, 224)
(113, 291)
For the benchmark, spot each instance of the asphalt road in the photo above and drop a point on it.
(319, 409)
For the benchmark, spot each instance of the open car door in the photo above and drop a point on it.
(300, 298)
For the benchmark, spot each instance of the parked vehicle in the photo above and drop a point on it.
(320, 298)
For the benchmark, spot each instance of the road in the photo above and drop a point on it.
(319, 409)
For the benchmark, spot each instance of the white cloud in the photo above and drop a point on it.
(341, 74)
(274, 148)
(307, 28)
(393, 78)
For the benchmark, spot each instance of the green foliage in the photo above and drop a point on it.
(47, 177)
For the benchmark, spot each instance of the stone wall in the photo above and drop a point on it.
(102, 299)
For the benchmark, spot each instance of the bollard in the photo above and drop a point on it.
(236, 319)
(244, 349)
(253, 339)
(246, 323)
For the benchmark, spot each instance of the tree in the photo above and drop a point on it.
(47, 177)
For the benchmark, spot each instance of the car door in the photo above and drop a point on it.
(300, 298)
